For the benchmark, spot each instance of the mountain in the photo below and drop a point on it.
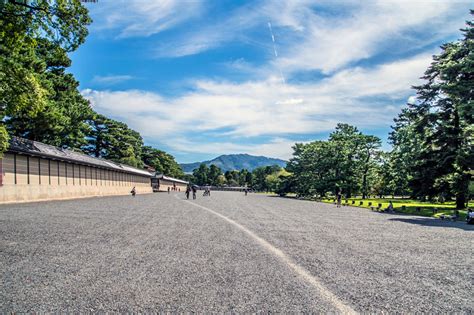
(235, 162)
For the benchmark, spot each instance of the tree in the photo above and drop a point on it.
(370, 146)
(24, 85)
(259, 177)
(201, 175)
(443, 119)
(113, 140)
(345, 163)
(276, 180)
(221, 181)
(63, 119)
(213, 175)
(161, 161)
(313, 168)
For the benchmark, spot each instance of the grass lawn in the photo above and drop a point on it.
(411, 206)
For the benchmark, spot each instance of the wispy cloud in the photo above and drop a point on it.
(140, 18)
(268, 107)
(310, 39)
(111, 79)
(328, 43)
(367, 56)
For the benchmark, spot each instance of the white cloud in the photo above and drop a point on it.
(331, 43)
(143, 17)
(111, 79)
(216, 32)
(265, 108)
(307, 39)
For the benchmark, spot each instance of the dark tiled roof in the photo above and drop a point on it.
(35, 148)
(171, 179)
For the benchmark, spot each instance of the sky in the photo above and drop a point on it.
(203, 78)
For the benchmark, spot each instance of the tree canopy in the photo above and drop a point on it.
(433, 137)
(34, 40)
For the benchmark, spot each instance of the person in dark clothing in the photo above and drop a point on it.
(194, 192)
(134, 191)
(188, 190)
(168, 189)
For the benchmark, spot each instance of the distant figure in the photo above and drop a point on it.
(246, 191)
(134, 191)
(339, 197)
(179, 189)
(390, 207)
(470, 216)
(188, 190)
(194, 192)
(169, 188)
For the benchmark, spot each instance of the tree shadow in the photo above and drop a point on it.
(436, 223)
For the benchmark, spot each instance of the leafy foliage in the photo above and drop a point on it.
(344, 163)
(40, 101)
(161, 161)
(434, 136)
(113, 140)
(34, 39)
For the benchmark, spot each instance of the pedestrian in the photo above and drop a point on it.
(470, 216)
(194, 192)
(188, 190)
(390, 207)
(246, 191)
(134, 191)
(169, 189)
(339, 197)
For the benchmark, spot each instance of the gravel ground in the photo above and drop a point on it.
(160, 253)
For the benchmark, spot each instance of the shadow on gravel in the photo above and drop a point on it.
(436, 223)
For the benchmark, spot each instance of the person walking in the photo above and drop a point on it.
(246, 191)
(169, 189)
(188, 190)
(134, 191)
(194, 192)
(339, 197)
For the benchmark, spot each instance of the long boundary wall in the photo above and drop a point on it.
(31, 178)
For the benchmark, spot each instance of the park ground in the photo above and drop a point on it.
(229, 252)
(405, 206)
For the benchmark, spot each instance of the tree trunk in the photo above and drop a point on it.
(364, 178)
(460, 200)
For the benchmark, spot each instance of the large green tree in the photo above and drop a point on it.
(63, 118)
(161, 161)
(25, 30)
(114, 140)
(201, 175)
(442, 120)
(344, 163)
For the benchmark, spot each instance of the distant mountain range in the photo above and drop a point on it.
(232, 162)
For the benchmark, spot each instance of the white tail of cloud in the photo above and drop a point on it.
(275, 50)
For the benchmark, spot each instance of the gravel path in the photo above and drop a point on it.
(229, 252)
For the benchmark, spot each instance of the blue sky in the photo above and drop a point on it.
(203, 78)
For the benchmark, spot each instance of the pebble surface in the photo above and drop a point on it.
(157, 252)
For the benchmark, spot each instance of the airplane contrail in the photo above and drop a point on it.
(275, 50)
